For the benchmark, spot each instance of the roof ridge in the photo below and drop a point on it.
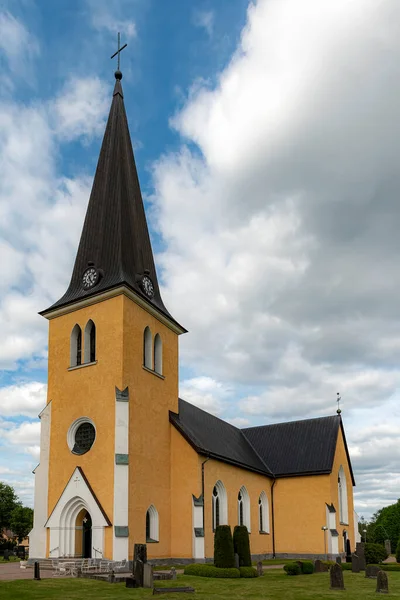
(287, 422)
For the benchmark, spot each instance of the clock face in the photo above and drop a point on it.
(147, 286)
(90, 278)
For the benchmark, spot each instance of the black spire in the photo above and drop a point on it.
(115, 247)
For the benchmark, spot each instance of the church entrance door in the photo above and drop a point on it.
(87, 536)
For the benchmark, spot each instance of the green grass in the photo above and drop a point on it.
(274, 585)
(12, 559)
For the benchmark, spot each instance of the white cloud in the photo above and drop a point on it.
(205, 20)
(27, 399)
(113, 16)
(18, 46)
(81, 108)
(205, 393)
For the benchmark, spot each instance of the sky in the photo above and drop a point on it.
(266, 136)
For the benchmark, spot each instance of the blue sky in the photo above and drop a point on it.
(266, 141)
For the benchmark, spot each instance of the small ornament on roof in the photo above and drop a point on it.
(118, 74)
(338, 403)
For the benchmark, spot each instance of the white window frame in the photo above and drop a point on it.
(263, 507)
(246, 507)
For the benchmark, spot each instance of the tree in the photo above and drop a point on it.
(241, 545)
(385, 524)
(8, 501)
(224, 557)
(21, 521)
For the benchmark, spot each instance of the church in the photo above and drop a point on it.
(123, 459)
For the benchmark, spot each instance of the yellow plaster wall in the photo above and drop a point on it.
(233, 478)
(86, 391)
(300, 512)
(151, 397)
(341, 460)
(185, 481)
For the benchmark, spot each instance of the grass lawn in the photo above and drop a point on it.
(274, 585)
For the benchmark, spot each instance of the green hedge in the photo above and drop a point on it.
(307, 567)
(224, 557)
(241, 545)
(398, 551)
(388, 567)
(211, 571)
(248, 572)
(292, 568)
(374, 553)
(346, 566)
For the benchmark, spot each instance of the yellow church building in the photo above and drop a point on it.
(123, 460)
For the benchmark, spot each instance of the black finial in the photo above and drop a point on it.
(338, 403)
(118, 74)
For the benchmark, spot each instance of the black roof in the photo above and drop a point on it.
(115, 237)
(213, 437)
(304, 447)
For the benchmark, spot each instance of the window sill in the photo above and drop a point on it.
(150, 541)
(342, 523)
(153, 372)
(89, 364)
(263, 532)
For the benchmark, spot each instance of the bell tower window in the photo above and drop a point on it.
(147, 349)
(76, 346)
(158, 354)
(90, 342)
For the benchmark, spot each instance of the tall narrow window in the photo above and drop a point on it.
(263, 513)
(219, 505)
(76, 347)
(244, 508)
(342, 497)
(90, 342)
(152, 525)
(158, 354)
(147, 349)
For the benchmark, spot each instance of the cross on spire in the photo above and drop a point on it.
(118, 52)
(338, 403)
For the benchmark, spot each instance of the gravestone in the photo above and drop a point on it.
(355, 563)
(320, 567)
(140, 552)
(360, 551)
(6, 555)
(138, 572)
(382, 584)
(174, 575)
(388, 547)
(260, 570)
(336, 577)
(372, 571)
(236, 561)
(147, 576)
(36, 571)
(339, 560)
(130, 582)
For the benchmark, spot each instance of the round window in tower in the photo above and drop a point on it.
(81, 435)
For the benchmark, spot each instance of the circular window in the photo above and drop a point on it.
(81, 435)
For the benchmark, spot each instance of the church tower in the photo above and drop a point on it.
(103, 482)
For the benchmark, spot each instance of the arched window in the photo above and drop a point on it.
(158, 354)
(90, 342)
(219, 505)
(76, 347)
(147, 349)
(152, 533)
(263, 513)
(244, 508)
(342, 496)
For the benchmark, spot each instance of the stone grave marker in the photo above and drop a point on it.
(6, 555)
(260, 570)
(360, 551)
(140, 552)
(147, 576)
(382, 584)
(355, 563)
(372, 571)
(138, 572)
(339, 560)
(388, 546)
(236, 561)
(336, 577)
(319, 567)
(174, 575)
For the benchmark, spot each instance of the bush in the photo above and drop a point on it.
(374, 553)
(390, 567)
(307, 567)
(248, 572)
(346, 566)
(241, 545)
(211, 571)
(292, 568)
(398, 551)
(224, 557)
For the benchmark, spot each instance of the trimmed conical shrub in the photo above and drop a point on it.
(398, 551)
(224, 557)
(241, 545)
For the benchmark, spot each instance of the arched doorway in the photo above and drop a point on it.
(83, 534)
